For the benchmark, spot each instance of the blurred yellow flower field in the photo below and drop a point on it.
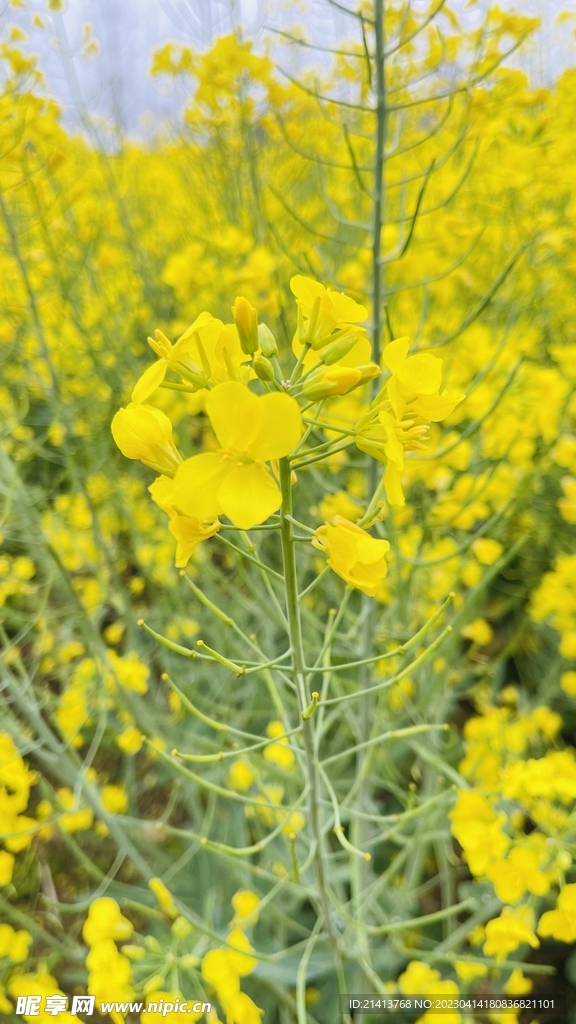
(287, 508)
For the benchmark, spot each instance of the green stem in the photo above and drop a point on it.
(300, 681)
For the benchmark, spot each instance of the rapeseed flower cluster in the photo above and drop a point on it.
(109, 978)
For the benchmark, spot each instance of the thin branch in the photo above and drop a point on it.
(482, 304)
(353, 14)
(313, 157)
(324, 99)
(313, 46)
(435, 277)
(308, 227)
(420, 28)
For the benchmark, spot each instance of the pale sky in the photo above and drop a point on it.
(116, 83)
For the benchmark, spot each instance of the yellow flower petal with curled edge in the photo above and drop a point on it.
(306, 291)
(161, 492)
(188, 532)
(340, 307)
(437, 407)
(353, 554)
(324, 309)
(145, 433)
(249, 494)
(560, 924)
(151, 379)
(517, 984)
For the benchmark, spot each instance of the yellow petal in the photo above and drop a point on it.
(358, 355)
(197, 483)
(280, 427)
(345, 310)
(306, 291)
(393, 485)
(145, 433)
(395, 354)
(392, 447)
(396, 401)
(242, 963)
(188, 532)
(235, 414)
(248, 495)
(161, 493)
(437, 407)
(421, 373)
(201, 321)
(149, 381)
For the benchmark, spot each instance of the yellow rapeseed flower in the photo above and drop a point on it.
(279, 753)
(518, 873)
(208, 352)
(513, 928)
(324, 310)
(245, 903)
(235, 480)
(353, 554)
(240, 776)
(145, 433)
(105, 921)
(14, 944)
(560, 924)
(487, 551)
(398, 418)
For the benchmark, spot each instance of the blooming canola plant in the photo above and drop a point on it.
(288, 610)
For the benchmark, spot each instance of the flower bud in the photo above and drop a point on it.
(369, 371)
(246, 320)
(189, 961)
(182, 928)
(152, 944)
(133, 952)
(267, 341)
(333, 380)
(338, 349)
(263, 368)
(154, 984)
